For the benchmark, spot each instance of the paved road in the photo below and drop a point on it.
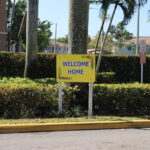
(116, 139)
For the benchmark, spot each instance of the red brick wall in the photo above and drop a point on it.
(3, 28)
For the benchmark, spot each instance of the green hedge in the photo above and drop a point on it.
(127, 68)
(12, 65)
(33, 100)
(106, 77)
(20, 98)
(122, 99)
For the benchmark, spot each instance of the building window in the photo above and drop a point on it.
(129, 48)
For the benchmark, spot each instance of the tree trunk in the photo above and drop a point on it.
(78, 26)
(99, 34)
(31, 34)
(77, 38)
(100, 54)
(22, 27)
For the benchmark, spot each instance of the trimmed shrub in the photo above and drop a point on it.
(122, 99)
(105, 77)
(12, 65)
(19, 80)
(21, 98)
(32, 100)
(127, 68)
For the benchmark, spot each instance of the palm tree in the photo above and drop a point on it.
(104, 7)
(78, 26)
(128, 8)
(78, 35)
(31, 34)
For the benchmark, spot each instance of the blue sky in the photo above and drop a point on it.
(56, 11)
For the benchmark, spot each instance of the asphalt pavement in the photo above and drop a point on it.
(112, 139)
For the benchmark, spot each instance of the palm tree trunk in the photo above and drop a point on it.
(104, 14)
(22, 26)
(78, 35)
(31, 34)
(78, 26)
(100, 54)
(99, 34)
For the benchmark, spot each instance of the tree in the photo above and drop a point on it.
(63, 39)
(31, 35)
(16, 11)
(127, 6)
(44, 35)
(78, 34)
(44, 32)
(78, 26)
(119, 33)
(109, 43)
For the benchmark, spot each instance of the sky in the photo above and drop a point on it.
(57, 11)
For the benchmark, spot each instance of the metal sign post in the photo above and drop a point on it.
(60, 97)
(90, 110)
(141, 73)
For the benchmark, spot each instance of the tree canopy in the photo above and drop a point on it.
(44, 32)
(119, 33)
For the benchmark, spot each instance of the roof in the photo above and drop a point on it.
(98, 51)
(134, 40)
(52, 43)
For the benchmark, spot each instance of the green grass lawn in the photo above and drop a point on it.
(58, 120)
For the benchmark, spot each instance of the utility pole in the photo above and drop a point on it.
(138, 27)
(31, 34)
(55, 37)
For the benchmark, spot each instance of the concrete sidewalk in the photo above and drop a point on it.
(41, 127)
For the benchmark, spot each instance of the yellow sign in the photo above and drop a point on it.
(75, 68)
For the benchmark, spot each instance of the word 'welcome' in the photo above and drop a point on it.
(76, 63)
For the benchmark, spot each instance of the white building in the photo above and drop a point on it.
(129, 47)
(57, 47)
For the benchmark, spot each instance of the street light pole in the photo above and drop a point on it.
(55, 37)
(138, 28)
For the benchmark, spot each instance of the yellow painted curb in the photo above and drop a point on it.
(16, 128)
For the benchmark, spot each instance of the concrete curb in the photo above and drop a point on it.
(41, 127)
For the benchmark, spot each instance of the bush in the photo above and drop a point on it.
(105, 77)
(12, 65)
(127, 68)
(32, 100)
(21, 98)
(122, 99)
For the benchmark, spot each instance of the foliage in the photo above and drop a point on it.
(127, 6)
(63, 39)
(44, 32)
(19, 11)
(126, 68)
(119, 33)
(12, 64)
(109, 43)
(122, 99)
(18, 80)
(24, 98)
(105, 77)
(27, 99)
